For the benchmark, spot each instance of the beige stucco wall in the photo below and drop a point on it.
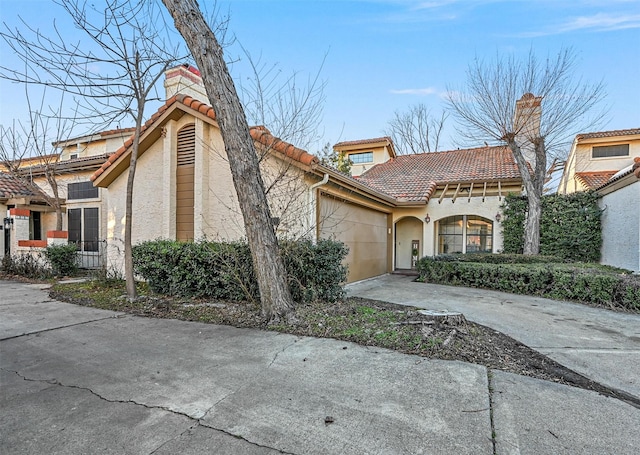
(84, 149)
(380, 155)
(217, 212)
(580, 160)
(462, 206)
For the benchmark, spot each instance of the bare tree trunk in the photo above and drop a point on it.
(128, 244)
(270, 272)
(532, 224)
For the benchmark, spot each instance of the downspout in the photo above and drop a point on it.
(314, 208)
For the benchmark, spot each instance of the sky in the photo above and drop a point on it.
(378, 57)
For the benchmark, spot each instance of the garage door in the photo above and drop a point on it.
(362, 229)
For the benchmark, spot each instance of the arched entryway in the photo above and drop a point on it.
(462, 234)
(408, 243)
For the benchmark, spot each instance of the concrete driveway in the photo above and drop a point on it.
(601, 344)
(76, 380)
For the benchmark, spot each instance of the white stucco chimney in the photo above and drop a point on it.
(185, 79)
(526, 124)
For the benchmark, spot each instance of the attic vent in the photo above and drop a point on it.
(73, 156)
(187, 145)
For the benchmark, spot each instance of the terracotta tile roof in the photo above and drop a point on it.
(263, 136)
(11, 187)
(632, 169)
(364, 141)
(117, 131)
(259, 134)
(613, 133)
(594, 180)
(415, 177)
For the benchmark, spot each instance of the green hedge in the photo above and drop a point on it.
(225, 270)
(587, 283)
(569, 226)
(63, 259)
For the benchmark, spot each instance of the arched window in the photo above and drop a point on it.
(465, 234)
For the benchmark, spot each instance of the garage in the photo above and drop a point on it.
(363, 229)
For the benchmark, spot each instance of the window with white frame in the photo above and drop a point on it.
(361, 158)
(607, 151)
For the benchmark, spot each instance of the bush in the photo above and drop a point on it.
(63, 259)
(26, 265)
(225, 270)
(587, 283)
(569, 226)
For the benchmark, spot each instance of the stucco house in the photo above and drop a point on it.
(595, 157)
(394, 209)
(607, 162)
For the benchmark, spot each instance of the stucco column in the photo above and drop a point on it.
(20, 227)
(57, 238)
(201, 180)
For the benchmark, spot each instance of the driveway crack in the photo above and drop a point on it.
(196, 421)
(490, 387)
(119, 315)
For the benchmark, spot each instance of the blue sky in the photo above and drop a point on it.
(382, 56)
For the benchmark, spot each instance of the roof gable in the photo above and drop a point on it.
(174, 108)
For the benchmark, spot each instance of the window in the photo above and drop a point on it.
(35, 226)
(465, 234)
(359, 158)
(606, 151)
(82, 190)
(86, 239)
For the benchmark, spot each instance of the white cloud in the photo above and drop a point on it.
(415, 91)
(600, 22)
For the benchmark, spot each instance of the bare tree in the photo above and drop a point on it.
(113, 71)
(270, 272)
(534, 108)
(416, 130)
(35, 139)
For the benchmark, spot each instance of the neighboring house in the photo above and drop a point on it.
(366, 153)
(81, 202)
(19, 223)
(607, 162)
(595, 157)
(396, 209)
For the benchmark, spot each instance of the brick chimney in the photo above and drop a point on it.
(526, 124)
(185, 79)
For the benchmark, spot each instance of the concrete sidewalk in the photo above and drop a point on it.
(79, 380)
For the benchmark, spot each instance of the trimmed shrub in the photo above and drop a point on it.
(225, 270)
(63, 259)
(587, 283)
(569, 226)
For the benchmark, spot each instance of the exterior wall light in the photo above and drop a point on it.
(498, 217)
(427, 218)
(8, 221)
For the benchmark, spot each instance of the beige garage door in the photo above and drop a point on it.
(362, 229)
